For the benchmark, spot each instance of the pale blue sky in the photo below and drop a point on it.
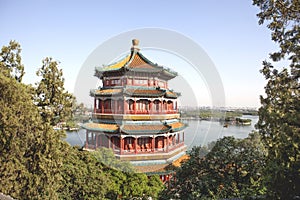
(69, 31)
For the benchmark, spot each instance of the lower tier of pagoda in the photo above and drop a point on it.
(135, 144)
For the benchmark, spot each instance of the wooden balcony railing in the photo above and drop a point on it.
(149, 150)
(142, 112)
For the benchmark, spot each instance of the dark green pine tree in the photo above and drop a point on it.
(279, 114)
(29, 149)
(10, 59)
(54, 102)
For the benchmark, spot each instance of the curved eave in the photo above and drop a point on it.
(147, 60)
(115, 66)
(179, 128)
(144, 92)
(141, 132)
(100, 74)
(148, 70)
(143, 95)
(144, 129)
(102, 70)
(167, 74)
(87, 126)
(170, 96)
(125, 63)
(170, 72)
(105, 92)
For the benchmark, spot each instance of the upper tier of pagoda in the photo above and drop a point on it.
(135, 62)
(135, 91)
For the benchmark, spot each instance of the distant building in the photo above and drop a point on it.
(136, 114)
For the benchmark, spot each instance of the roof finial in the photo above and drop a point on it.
(135, 45)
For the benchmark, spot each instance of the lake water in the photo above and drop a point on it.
(198, 132)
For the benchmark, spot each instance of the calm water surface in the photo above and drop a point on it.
(197, 133)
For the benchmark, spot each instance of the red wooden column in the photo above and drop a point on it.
(135, 145)
(178, 138)
(153, 143)
(102, 106)
(183, 136)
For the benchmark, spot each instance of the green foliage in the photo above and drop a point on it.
(54, 102)
(283, 21)
(10, 61)
(231, 169)
(279, 117)
(126, 184)
(155, 187)
(107, 158)
(130, 185)
(83, 177)
(29, 150)
(279, 124)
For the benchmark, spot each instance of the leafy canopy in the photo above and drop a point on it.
(10, 61)
(279, 116)
(231, 169)
(54, 102)
(29, 150)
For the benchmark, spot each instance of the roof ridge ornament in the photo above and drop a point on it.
(135, 45)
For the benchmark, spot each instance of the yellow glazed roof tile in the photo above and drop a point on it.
(101, 127)
(117, 65)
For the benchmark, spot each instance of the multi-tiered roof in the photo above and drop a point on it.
(136, 111)
(135, 62)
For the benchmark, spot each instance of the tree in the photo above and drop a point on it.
(125, 182)
(29, 150)
(231, 169)
(279, 117)
(54, 102)
(83, 176)
(10, 61)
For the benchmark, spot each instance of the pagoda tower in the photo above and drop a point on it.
(136, 114)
